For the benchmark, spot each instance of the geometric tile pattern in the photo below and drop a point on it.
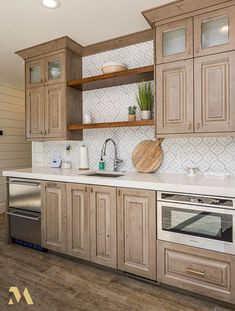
(207, 153)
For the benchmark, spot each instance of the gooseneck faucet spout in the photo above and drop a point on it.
(117, 161)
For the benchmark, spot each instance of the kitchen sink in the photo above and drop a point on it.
(105, 175)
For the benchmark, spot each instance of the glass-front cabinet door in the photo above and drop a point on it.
(214, 32)
(55, 69)
(35, 73)
(174, 41)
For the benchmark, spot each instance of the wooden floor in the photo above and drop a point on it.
(64, 284)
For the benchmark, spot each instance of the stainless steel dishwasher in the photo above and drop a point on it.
(24, 210)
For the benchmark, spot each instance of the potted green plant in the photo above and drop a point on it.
(145, 100)
(132, 113)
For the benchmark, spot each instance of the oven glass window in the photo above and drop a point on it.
(206, 224)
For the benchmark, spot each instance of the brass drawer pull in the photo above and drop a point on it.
(189, 270)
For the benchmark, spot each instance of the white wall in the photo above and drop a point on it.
(15, 152)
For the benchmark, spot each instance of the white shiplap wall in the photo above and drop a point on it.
(15, 152)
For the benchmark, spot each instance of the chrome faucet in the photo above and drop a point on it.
(117, 161)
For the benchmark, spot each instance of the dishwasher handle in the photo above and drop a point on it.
(23, 183)
(23, 216)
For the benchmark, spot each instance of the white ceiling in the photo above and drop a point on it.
(24, 23)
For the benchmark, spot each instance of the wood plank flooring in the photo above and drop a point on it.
(62, 284)
(58, 283)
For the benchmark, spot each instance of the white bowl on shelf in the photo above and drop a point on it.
(112, 67)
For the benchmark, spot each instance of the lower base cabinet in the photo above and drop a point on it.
(200, 271)
(78, 221)
(54, 210)
(103, 230)
(137, 232)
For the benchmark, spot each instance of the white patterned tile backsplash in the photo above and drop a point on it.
(208, 153)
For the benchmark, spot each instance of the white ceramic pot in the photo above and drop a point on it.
(146, 114)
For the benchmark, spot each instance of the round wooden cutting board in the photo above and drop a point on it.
(147, 156)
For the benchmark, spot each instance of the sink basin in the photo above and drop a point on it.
(105, 175)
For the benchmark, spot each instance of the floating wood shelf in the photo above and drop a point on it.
(74, 127)
(114, 79)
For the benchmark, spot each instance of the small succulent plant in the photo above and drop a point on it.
(132, 110)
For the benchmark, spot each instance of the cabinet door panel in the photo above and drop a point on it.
(137, 232)
(34, 72)
(35, 113)
(214, 32)
(174, 98)
(55, 111)
(174, 41)
(214, 93)
(55, 69)
(54, 216)
(103, 226)
(78, 236)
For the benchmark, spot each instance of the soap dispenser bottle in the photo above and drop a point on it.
(101, 164)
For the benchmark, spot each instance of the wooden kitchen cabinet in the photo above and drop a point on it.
(197, 270)
(50, 104)
(78, 221)
(174, 41)
(214, 32)
(194, 68)
(137, 232)
(35, 125)
(55, 111)
(34, 72)
(175, 97)
(54, 216)
(103, 229)
(215, 93)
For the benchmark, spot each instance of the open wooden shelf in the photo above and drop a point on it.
(74, 127)
(114, 79)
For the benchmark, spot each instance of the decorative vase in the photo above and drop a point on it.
(131, 117)
(146, 114)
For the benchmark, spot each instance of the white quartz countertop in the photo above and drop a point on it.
(162, 182)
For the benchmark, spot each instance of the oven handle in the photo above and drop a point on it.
(24, 216)
(34, 184)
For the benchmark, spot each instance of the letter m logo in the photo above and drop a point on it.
(15, 291)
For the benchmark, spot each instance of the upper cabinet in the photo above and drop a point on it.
(50, 104)
(174, 41)
(195, 67)
(215, 93)
(214, 32)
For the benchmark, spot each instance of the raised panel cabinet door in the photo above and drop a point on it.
(55, 69)
(214, 32)
(137, 232)
(34, 72)
(215, 93)
(103, 208)
(174, 41)
(54, 216)
(78, 214)
(55, 111)
(174, 97)
(35, 113)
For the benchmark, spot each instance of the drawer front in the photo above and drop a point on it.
(197, 269)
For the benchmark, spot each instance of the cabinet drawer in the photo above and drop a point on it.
(201, 271)
(197, 269)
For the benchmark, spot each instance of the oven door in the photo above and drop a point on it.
(199, 226)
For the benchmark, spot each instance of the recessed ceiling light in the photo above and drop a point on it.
(51, 4)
